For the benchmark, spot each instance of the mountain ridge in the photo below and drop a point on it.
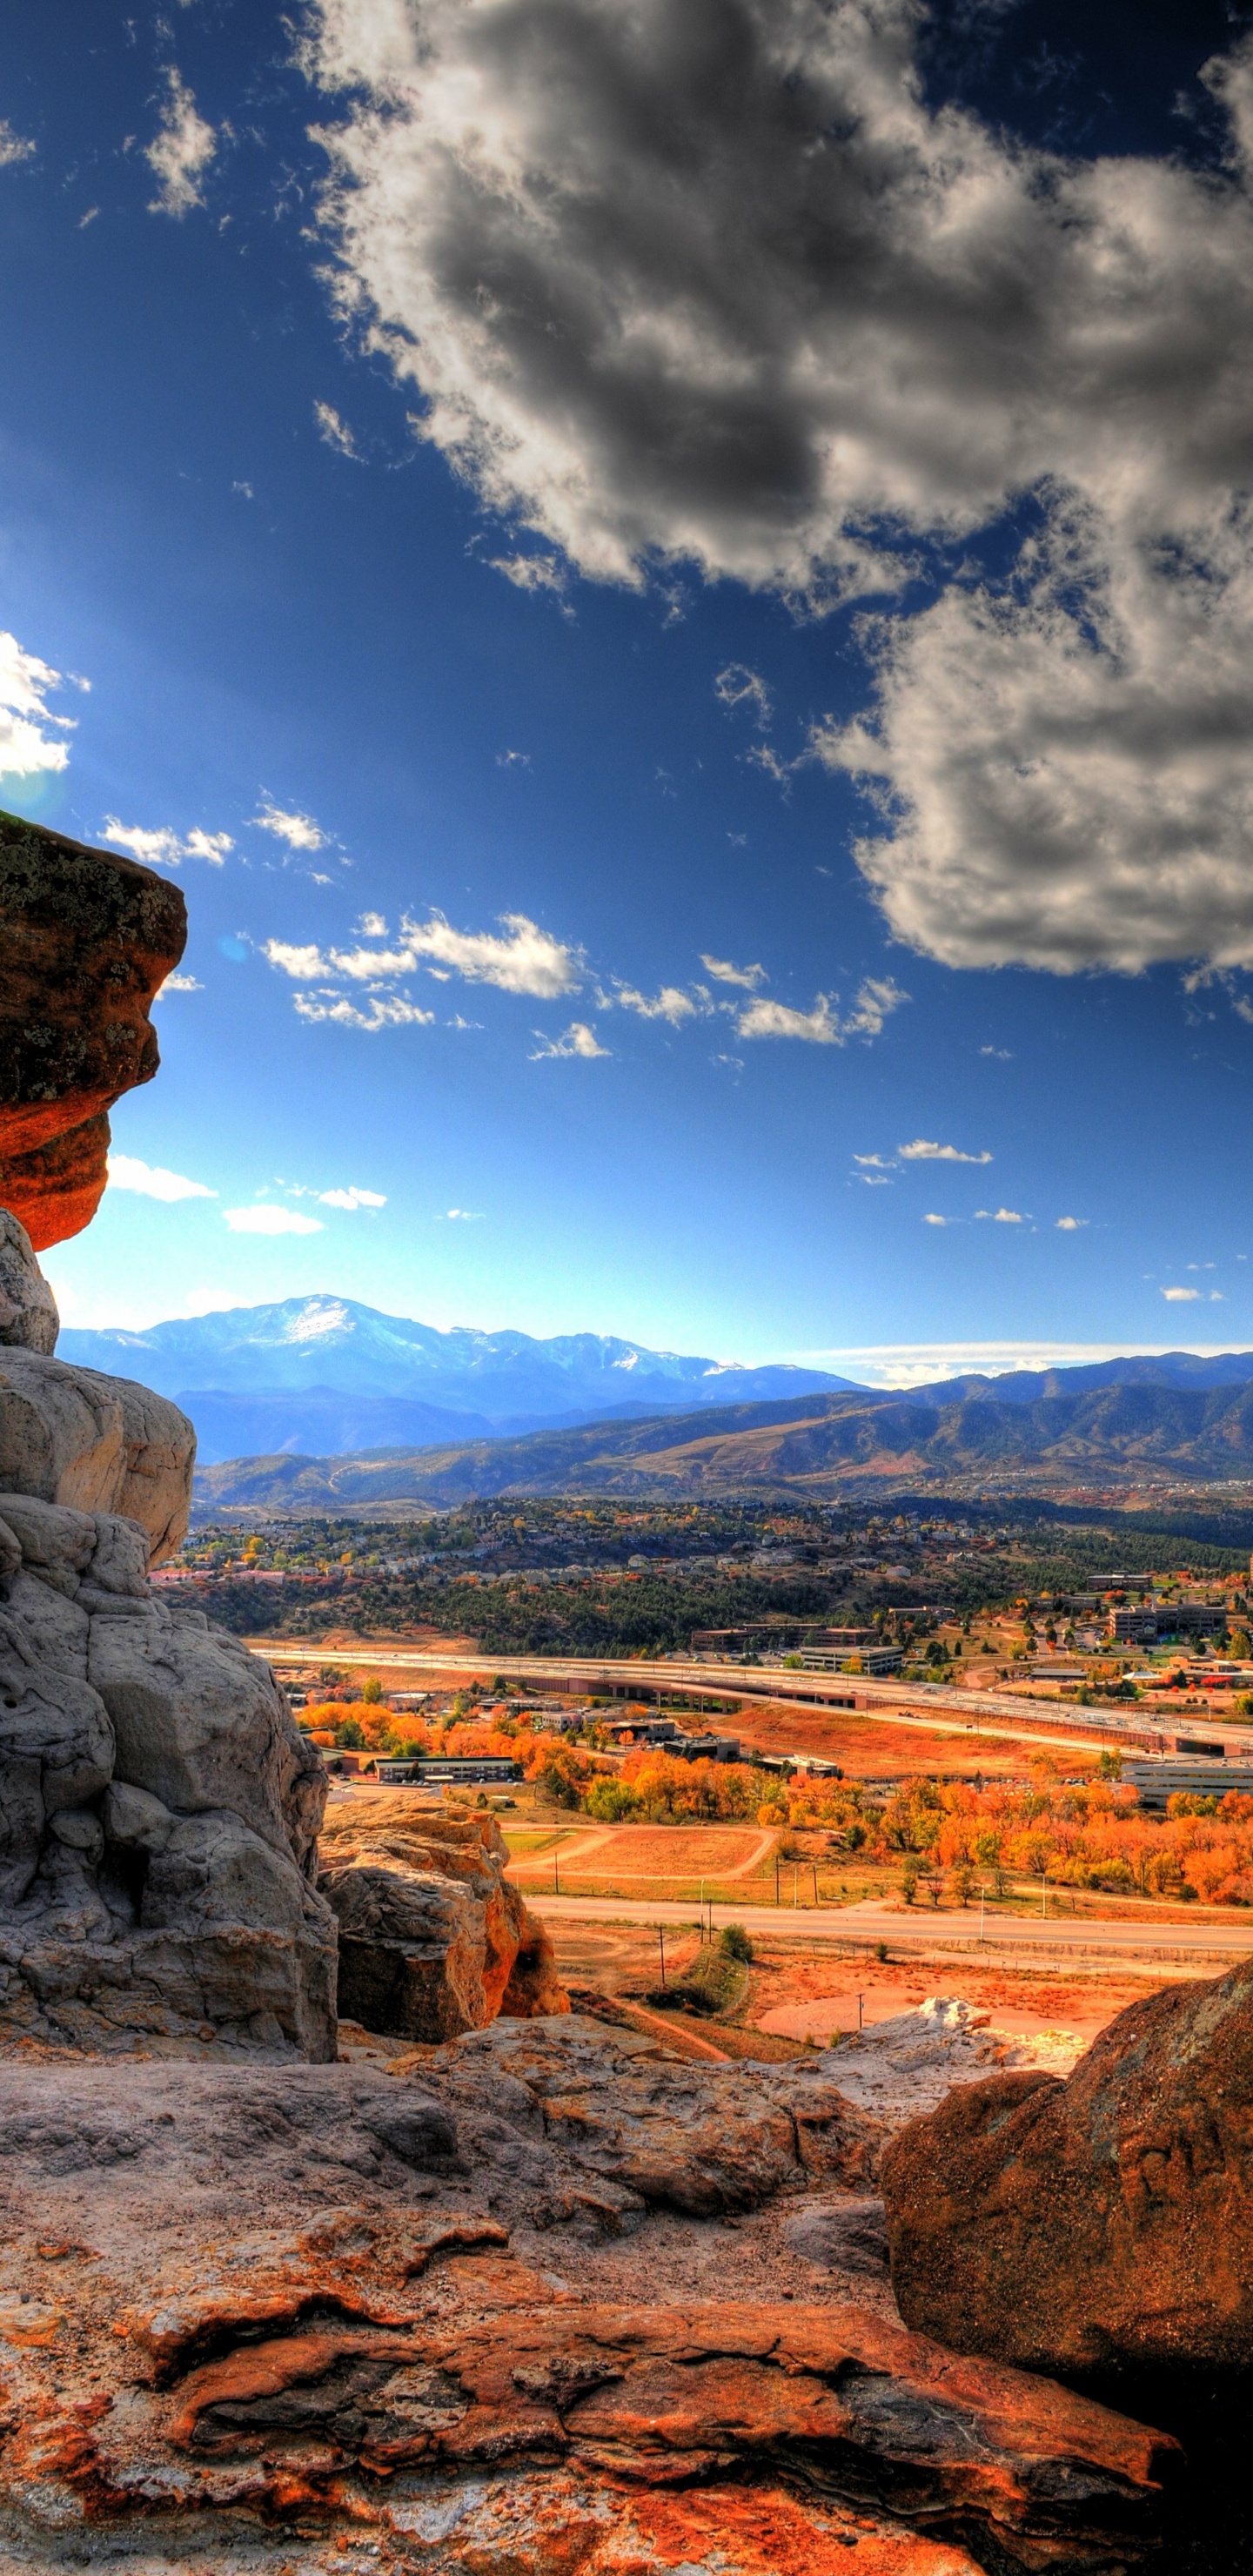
(235, 1371)
(852, 1443)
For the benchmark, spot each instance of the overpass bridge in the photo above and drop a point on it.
(939, 1707)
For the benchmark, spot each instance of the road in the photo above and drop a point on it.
(940, 1709)
(1021, 1935)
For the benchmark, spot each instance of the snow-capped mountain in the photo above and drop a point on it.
(275, 1378)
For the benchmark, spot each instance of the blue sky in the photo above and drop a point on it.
(688, 650)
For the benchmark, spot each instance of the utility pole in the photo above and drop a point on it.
(776, 1878)
(661, 1936)
(860, 2001)
(981, 1899)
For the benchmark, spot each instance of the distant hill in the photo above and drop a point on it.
(855, 1443)
(275, 1377)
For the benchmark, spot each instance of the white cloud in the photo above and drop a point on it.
(671, 1004)
(350, 1200)
(1003, 1055)
(877, 997)
(527, 572)
(459, 1216)
(153, 849)
(13, 147)
(875, 1162)
(822, 1026)
(737, 686)
(1001, 1216)
(867, 320)
(923, 1151)
(372, 926)
(181, 153)
(178, 984)
(304, 965)
(151, 1181)
(24, 684)
(577, 1040)
(723, 972)
(271, 1220)
(766, 1019)
(335, 432)
(298, 830)
(391, 1012)
(1180, 1296)
(160, 847)
(935, 1220)
(1070, 1224)
(526, 960)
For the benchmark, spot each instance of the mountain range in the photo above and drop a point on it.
(859, 1443)
(324, 1374)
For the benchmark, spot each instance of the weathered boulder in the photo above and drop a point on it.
(433, 1939)
(1103, 2222)
(158, 1809)
(251, 2310)
(99, 1444)
(28, 1310)
(86, 940)
(701, 2139)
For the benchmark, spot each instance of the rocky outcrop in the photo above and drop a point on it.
(86, 940)
(1106, 2222)
(330, 2315)
(433, 1939)
(158, 1808)
(96, 1443)
(28, 1309)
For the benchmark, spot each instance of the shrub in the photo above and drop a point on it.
(610, 1801)
(734, 1943)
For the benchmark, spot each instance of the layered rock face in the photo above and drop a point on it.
(86, 940)
(158, 1808)
(433, 1939)
(1104, 2222)
(328, 2317)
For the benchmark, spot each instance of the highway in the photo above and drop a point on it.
(1022, 1936)
(942, 1708)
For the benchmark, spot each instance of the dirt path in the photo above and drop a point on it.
(564, 1854)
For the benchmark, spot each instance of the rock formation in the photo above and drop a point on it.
(158, 1807)
(1106, 2222)
(86, 939)
(319, 2317)
(433, 1939)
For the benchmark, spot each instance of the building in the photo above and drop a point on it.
(862, 1659)
(1133, 1627)
(774, 1636)
(454, 1769)
(1207, 1777)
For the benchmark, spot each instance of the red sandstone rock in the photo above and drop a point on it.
(433, 1938)
(1104, 2221)
(86, 939)
(263, 2302)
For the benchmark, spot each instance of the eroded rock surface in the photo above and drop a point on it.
(28, 1310)
(99, 1444)
(86, 940)
(158, 1809)
(433, 1939)
(368, 2312)
(1106, 2221)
